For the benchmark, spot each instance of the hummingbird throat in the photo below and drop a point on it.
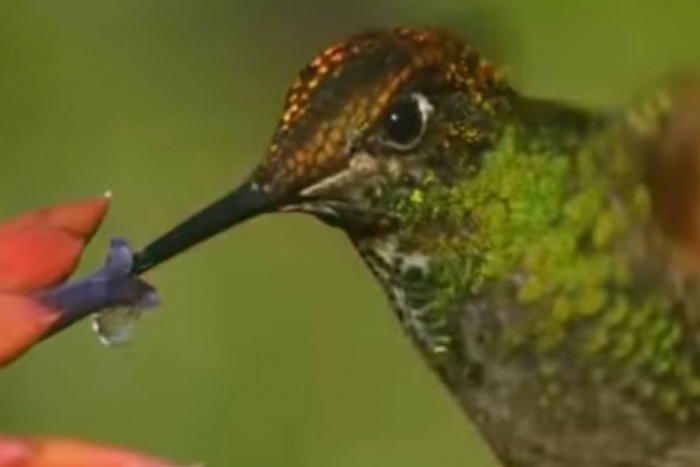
(406, 277)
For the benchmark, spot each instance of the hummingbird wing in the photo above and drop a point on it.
(664, 137)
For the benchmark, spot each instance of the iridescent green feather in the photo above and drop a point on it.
(558, 232)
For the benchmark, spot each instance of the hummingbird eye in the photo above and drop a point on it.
(405, 121)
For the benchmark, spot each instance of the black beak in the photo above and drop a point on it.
(243, 203)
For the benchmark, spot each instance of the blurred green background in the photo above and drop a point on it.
(274, 346)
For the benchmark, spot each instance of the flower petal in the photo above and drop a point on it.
(104, 291)
(13, 452)
(23, 321)
(36, 257)
(58, 452)
(42, 248)
(79, 218)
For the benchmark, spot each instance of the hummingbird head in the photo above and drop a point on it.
(362, 123)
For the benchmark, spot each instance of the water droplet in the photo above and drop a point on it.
(114, 327)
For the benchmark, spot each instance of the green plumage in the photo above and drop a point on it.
(552, 235)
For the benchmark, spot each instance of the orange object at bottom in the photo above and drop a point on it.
(61, 452)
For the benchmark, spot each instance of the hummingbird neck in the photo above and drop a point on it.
(454, 235)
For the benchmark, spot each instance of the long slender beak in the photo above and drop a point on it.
(241, 204)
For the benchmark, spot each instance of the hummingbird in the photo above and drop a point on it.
(541, 256)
